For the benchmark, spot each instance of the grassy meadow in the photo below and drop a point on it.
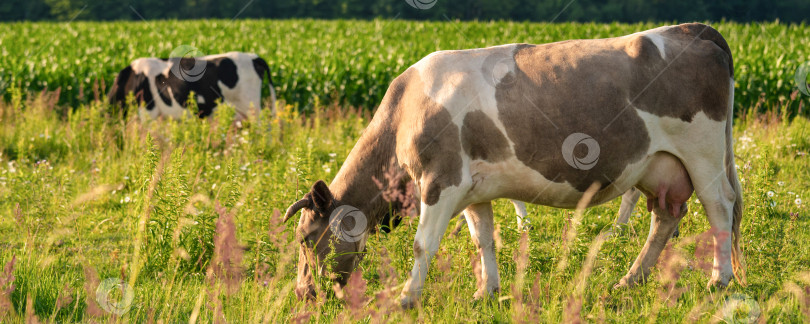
(184, 213)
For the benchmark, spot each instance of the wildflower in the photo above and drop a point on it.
(216, 167)
(7, 287)
(228, 253)
(773, 203)
(781, 183)
(798, 201)
(770, 193)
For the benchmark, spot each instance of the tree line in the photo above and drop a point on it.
(518, 10)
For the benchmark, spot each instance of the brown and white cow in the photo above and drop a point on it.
(475, 125)
(162, 86)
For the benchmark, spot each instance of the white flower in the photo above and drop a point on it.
(798, 201)
(781, 183)
(773, 203)
(214, 186)
(127, 199)
(770, 194)
(216, 167)
(332, 154)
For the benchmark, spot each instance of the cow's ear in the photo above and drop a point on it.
(322, 197)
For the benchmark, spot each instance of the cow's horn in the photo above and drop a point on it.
(295, 208)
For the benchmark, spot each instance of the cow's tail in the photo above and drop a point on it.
(261, 65)
(737, 260)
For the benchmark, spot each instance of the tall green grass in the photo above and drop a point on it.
(347, 62)
(86, 197)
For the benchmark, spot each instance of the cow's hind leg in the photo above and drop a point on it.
(433, 221)
(662, 225)
(717, 196)
(480, 222)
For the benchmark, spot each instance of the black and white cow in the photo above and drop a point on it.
(162, 86)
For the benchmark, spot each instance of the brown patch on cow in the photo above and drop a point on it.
(427, 141)
(563, 88)
(593, 86)
(706, 33)
(694, 78)
(642, 47)
(439, 158)
(481, 138)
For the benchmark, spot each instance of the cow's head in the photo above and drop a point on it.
(316, 236)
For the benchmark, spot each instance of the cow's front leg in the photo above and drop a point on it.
(433, 222)
(662, 225)
(480, 221)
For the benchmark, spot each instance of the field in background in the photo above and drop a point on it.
(88, 200)
(346, 62)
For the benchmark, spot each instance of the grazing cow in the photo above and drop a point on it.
(652, 110)
(162, 86)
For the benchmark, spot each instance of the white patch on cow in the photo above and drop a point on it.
(658, 40)
(246, 95)
(151, 67)
(463, 88)
(200, 99)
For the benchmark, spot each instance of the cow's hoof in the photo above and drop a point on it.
(407, 302)
(720, 279)
(629, 281)
(483, 294)
(718, 283)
